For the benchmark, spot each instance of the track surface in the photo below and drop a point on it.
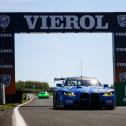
(40, 113)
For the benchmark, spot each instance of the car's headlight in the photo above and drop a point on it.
(107, 94)
(69, 93)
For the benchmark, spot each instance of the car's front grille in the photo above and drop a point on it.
(84, 98)
(94, 99)
(89, 99)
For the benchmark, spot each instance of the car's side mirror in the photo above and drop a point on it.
(59, 85)
(105, 85)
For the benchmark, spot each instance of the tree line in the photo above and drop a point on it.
(32, 85)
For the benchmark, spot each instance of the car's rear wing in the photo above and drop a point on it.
(59, 79)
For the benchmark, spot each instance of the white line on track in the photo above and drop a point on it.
(17, 119)
(122, 107)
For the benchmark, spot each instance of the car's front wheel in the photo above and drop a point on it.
(110, 107)
(55, 100)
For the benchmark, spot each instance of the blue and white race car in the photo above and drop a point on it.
(82, 92)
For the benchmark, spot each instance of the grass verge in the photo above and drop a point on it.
(8, 106)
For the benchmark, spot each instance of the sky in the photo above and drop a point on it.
(41, 57)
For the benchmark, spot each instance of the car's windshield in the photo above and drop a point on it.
(42, 92)
(89, 82)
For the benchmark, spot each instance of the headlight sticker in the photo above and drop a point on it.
(107, 94)
(69, 94)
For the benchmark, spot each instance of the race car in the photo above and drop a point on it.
(82, 92)
(43, 94)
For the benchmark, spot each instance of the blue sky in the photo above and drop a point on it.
(41, 57)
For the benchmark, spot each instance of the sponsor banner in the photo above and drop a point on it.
(7, 61)
(119, 57)
(63, 22)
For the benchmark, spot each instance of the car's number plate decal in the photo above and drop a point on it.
(108, 101)
(69, 101)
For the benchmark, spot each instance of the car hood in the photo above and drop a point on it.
(86, 89)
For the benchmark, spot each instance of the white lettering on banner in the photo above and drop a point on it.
(6, 66)
(121, 64)
(91, 23)
(86, 22)
(72, 22)
(5, 35)
(31, 21)
(99, 22)
(120, 34)
(120, 49)
(56, 22)
(6, 50)
(44, 22)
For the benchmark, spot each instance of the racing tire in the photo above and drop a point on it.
(55, 101)
(111, 107)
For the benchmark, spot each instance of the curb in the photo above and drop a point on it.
(17, 119)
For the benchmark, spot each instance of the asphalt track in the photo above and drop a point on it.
(5, 118)
(40, 112)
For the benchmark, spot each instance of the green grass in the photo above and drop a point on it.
(13, 105)
(8, 106)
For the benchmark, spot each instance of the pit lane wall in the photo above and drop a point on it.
(119, 57)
